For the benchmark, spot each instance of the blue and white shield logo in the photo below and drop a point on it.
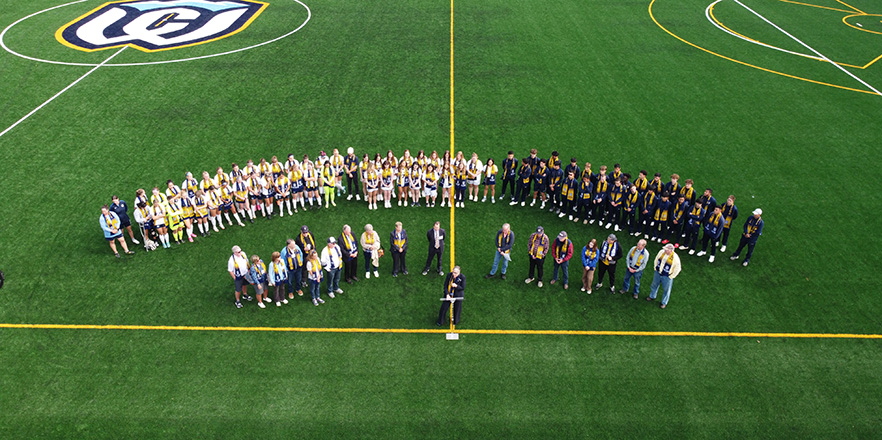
(154, 25)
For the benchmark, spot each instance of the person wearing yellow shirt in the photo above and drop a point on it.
(329, 181)
(175, 219)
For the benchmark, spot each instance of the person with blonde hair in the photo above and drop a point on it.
(278, 277)
(314, 271)
(258, 275)
(370, 243)
(112, 228)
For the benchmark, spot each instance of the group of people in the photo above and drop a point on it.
(667, 212)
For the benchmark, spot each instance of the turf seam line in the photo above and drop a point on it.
(809, 48)
(62, 91)
(440, 331)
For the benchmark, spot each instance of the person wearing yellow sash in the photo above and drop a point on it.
(329, 180)
(372, 184)
(667, 267)
(293, 257)
(590, 255)
(562, 252)
(730, 213)
(489, 174)
(278, 278)
(370, 243)
(610, 253)
(537, 250)
(402, 182)
(258, 274)
(175, 217)
(200, 206)
(504, 243)
(636, 260)
(237, 266)
(349, 246)
(713, 228)
(398, 249)
(110, 224)
(753, 228)
(350, 168)
(313, 267)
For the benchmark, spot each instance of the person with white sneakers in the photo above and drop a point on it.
(667, 267)
(257, 275)
(753, 228)
(713, 228)
(237, 266)
(474, 170)
(537, 250)
(636, 262)
(490, 171)
(314, 270)
(277, 278)
(332, 261)
(370, 244)
(351, 168)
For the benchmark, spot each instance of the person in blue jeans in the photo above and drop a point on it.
(314, 273)
(667, 267)
(292, 256)
(562, 251)
(636, 259)
(504, 242)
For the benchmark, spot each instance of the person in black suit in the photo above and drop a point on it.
(436, 237)
(398, 245)
(349, 245)
(454, 286)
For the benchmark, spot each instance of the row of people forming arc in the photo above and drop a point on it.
(300, 264)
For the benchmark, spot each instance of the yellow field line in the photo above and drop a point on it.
(452, 149)
(652, 16)
(816, 6)
(850, 6)
(436, 331)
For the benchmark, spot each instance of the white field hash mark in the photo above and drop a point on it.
(819, 54)
(62, 91)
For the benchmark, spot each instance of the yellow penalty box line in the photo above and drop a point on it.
(440, 331)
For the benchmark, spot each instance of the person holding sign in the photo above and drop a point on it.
(454, 287)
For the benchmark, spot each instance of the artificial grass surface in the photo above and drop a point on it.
(596, 80)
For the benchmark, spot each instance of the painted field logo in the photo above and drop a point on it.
(154, 25)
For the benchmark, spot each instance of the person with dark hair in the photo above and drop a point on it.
(610, 253)
(660, 216)
(454, 287)
(630, 206)
(121, 209)
(398, 249)
(436, 237)
(693, 226)
(509, 174)
(306, 242)
(569, 196)
(616, 174)
(677, 221)
(730, 213)
(537, 248)
(586, 191)
(713, 228)
(112, 228)
(539, 180)
(601, 193)
(525, 174)
(555, 178)
(614, 209)
(590, 255)
(489, 180)
(349, 246)
(277, 278)
(708, 202)
(753, 228)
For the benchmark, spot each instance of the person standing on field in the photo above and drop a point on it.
(590, 255)
(538, 248)
(111, 226)
(753, 228)
(636, 261)
(667, 267)
(562, 251)
(398, 249)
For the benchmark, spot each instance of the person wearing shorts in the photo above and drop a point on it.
(430, 185)
(489, 178)
(112, 228)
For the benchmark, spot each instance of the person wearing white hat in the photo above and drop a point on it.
(753, 228)
(667, 267)
(332, 261)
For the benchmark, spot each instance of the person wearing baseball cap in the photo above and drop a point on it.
(537, 249)
(667, 267)
(332, 261)
(562, 251)
(753, 228)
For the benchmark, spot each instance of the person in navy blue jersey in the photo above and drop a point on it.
(647, 209)
(693, 226)
(454, 287)
(713, 228)
(569, 196)
(351, 168)
(660, 217)
(730, 213)
(753, 228)
(555, 178)
(630, 206)
(677, 220)
(121, 209)
(586, 191)
(509, 174)
(539, 181)
(708, 202)
(598, 203)
(616, 199)
(525, 174)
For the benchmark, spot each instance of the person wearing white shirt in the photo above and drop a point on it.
(370, 243)
(332, 261)
(474, 170)
(237, 266)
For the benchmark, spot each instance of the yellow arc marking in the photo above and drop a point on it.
(436, 331)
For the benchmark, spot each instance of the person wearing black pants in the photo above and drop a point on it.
(436, 237)
(586, 190)
(454, 286)
(730, 213)
(509, 174)
(753, 228)
(610, 253)
(538, 248)
(398, 240)
(693, 226)
(599, 200)
(349, 246)
(350, 165)
(525, 174)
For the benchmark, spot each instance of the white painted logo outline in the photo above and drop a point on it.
(64, 63)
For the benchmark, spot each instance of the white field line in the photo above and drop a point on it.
(707, 13)
(62, 91)
(819, 54)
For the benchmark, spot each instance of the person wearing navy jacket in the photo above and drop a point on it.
(561, 252)
(398, 248)
(646, 210)
(525, 173)
(586, 190)
(708, 202)
(713, 228)
(661, 215)
(454, 287)
(555, 178)
(730, 213)
(629, 209)
(601, 191)
(677, 220)
(693, 226)
(436, 237)
(509, 174)
(753, 228)
(616, 198)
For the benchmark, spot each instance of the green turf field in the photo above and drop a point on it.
(653, 85)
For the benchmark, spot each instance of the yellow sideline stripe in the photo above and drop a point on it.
(816, 6)
(852, 7)
(436, 331)
(452, 149)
